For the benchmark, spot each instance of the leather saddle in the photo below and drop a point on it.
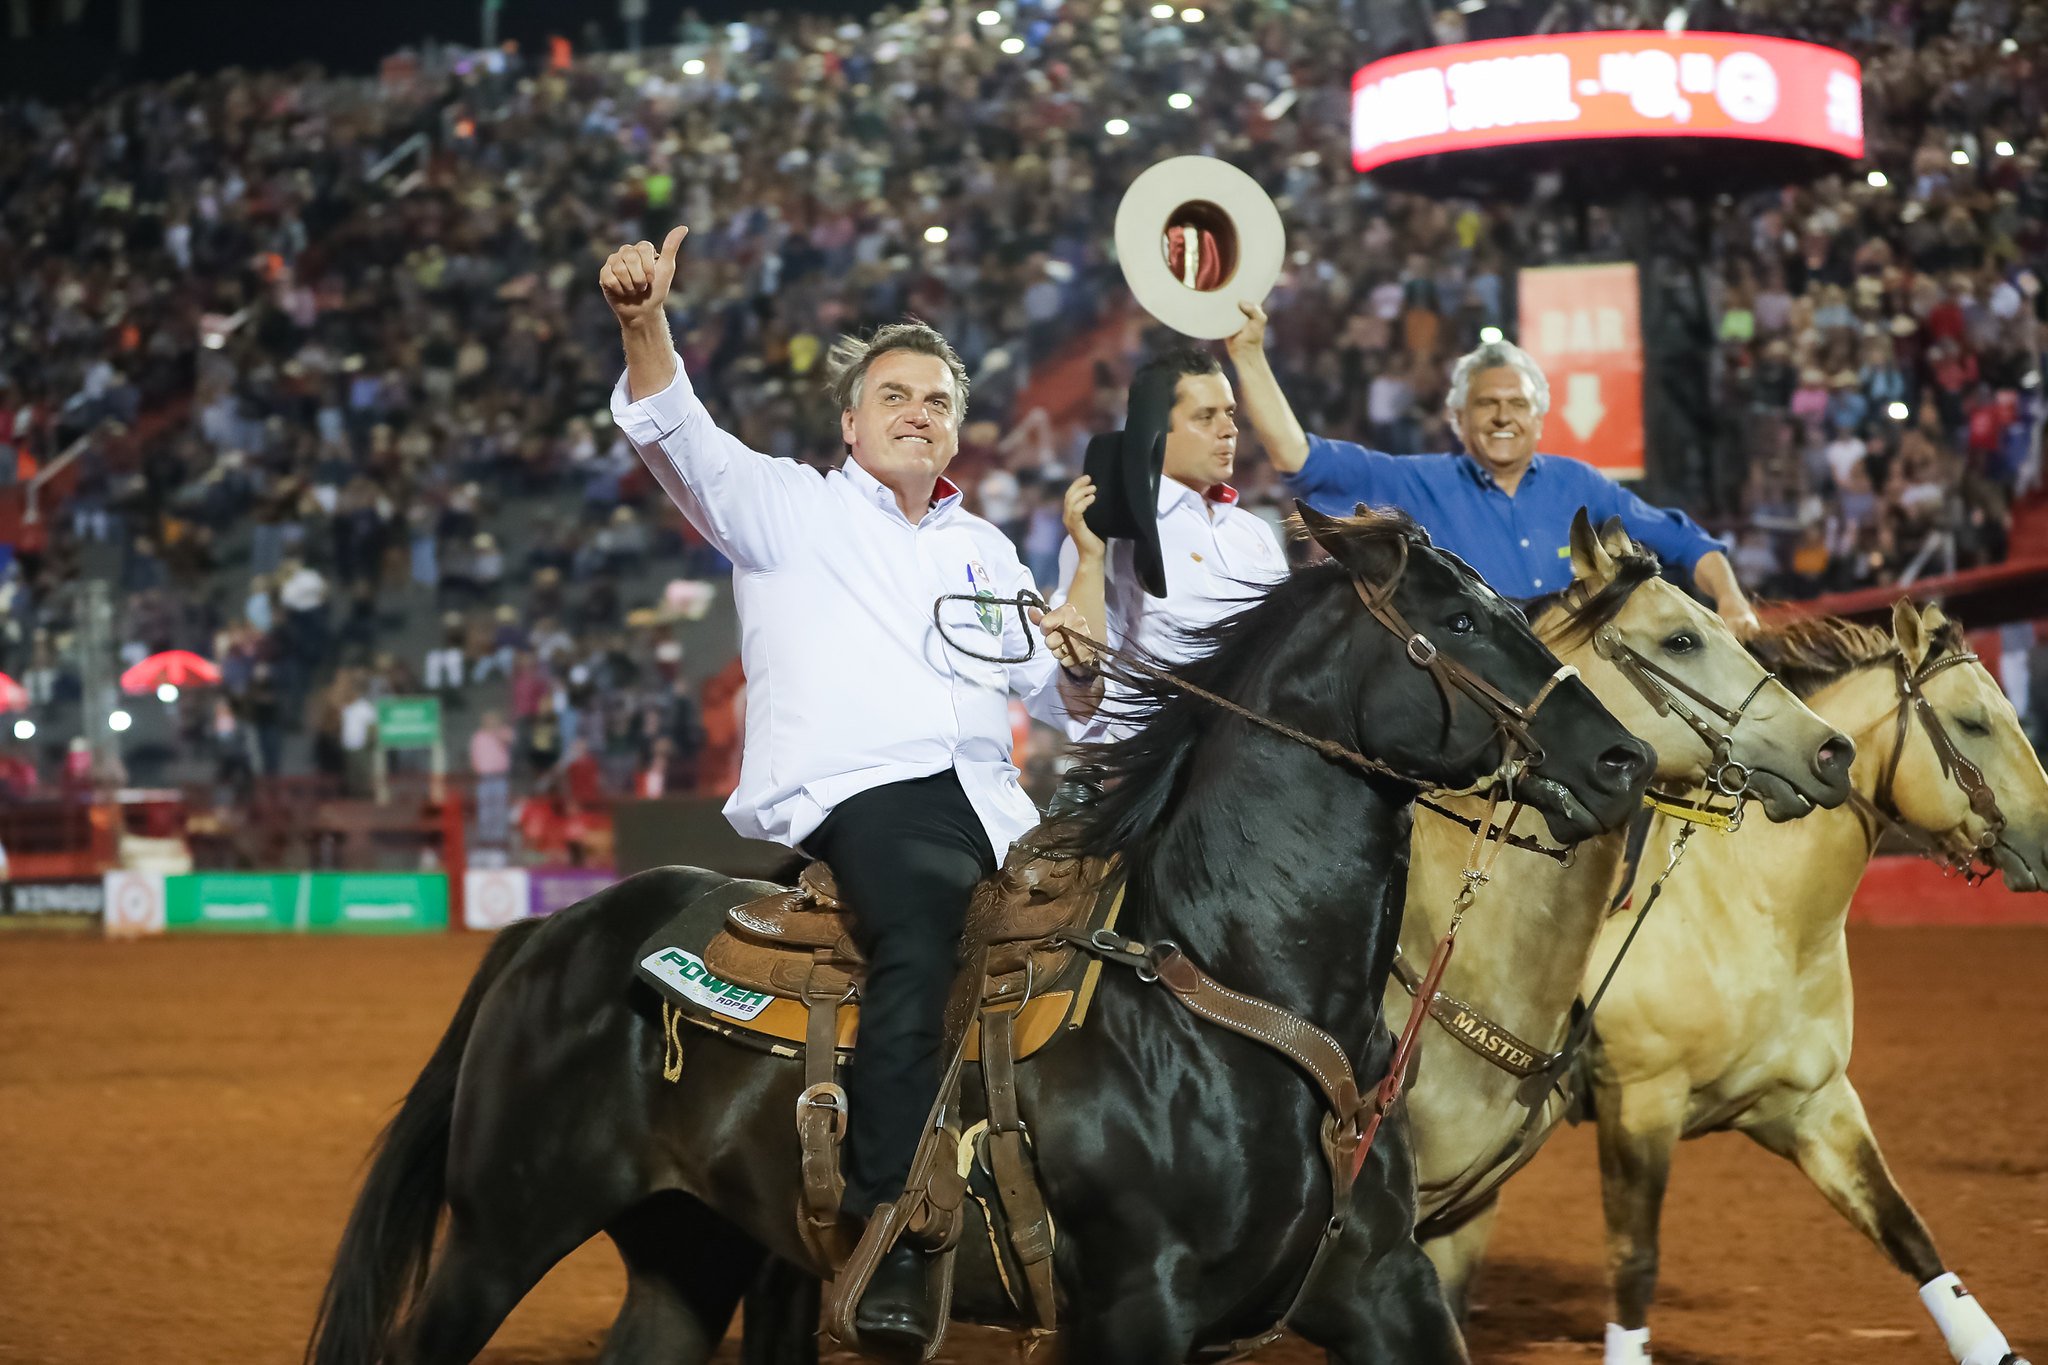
(797, 944)
(1022, 983)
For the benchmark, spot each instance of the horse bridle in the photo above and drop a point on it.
(1672, 695)
(1668, 694)
(1942, 850)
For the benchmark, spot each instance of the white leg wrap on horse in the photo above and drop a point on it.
(1627, 1345)
(1973, 1339)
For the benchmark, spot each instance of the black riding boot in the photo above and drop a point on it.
(894, 1313)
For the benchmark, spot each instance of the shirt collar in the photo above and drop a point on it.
(1172, 492)
(945, 493)
(1483, 476)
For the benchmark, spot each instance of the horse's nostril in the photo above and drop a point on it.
(1625, 761)
(1833, 758)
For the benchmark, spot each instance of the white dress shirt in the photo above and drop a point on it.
(1219, 559)
(849, 684)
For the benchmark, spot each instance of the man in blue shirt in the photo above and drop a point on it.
(1502, 508)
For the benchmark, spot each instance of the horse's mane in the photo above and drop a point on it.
(1139, 775)
(1809, 652)
(1631, 570)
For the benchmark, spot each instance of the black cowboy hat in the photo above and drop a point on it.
(1126, 467)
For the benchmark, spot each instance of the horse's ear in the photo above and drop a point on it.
(1912, 633)
(1616, 538)
(1364, 558)
(1319, 528)
(1591, 564)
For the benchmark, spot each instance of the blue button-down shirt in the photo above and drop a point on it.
(1520, 544)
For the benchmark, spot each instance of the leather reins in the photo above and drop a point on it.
(1512, 720)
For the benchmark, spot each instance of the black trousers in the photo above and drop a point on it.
(907, 857)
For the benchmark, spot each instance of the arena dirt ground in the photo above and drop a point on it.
(182, 1123)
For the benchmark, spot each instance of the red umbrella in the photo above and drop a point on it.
(179, 667)
(13, 696)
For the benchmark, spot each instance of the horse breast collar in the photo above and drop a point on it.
(1968, 777)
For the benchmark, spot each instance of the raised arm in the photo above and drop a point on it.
(1258, 390)
(745, 503)
(1678, 539)
(636, 282)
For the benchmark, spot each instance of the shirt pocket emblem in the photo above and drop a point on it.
(986, 609)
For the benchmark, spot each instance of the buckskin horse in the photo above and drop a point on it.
(1184, 1165)
(1735, 1009)
(1670, 671)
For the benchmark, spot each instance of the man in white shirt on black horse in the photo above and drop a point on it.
(872, 740)
(1182, 553)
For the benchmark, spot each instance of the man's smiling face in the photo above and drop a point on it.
(1499, 423)
(907, 418)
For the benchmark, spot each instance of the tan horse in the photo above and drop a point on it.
(1734, 1008)
(1530, 932)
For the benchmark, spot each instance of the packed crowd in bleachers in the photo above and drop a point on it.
(336, 368)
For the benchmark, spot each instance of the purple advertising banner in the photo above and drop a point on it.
(557, 888)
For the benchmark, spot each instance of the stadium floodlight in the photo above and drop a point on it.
(694, 67)
(935, 234)
(1191, 15)
(1897, 412)
(167, 693)
(2003, 148)
(1877, 180)
(1960, 157)
(24, 728)
(1471, 6)
(2009, 46)
(1162, 11)
(119, 721)
(1013, 45)
(1179, 99)
(1489, 335)
(988, 18)
(1117, 127)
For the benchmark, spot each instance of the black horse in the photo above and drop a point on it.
(1181, 1163)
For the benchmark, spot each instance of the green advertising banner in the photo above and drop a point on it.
(409, 722)
(378, 902)
(318, 902)
(233, 902)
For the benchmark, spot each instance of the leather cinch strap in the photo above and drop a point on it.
(1030, 1225)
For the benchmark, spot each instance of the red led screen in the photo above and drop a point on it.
(1631, 83)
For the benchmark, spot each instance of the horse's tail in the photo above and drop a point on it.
(389, 1241)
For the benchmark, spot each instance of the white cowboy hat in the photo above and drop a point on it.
(1194, 235)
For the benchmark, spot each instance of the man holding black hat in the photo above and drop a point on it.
(1182, 553)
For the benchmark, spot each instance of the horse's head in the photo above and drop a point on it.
(1677, 677)
(1432, 717)
(1975, 723)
